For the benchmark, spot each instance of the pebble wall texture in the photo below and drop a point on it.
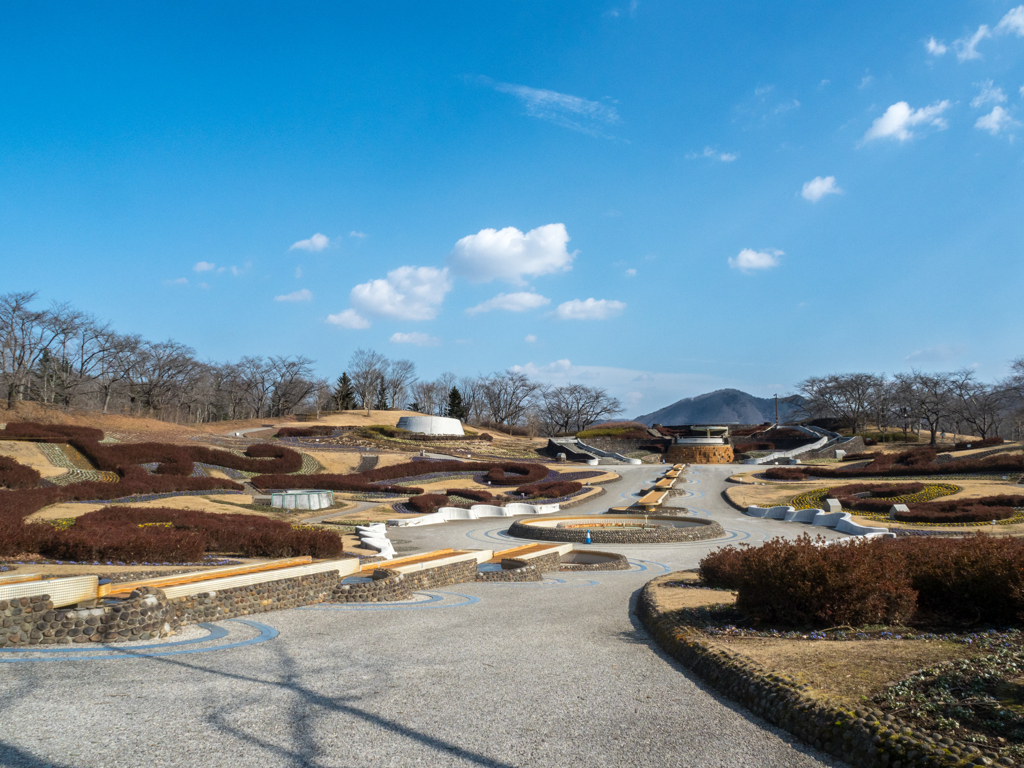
(386, 587)
(512, 571)
(615, 562)
(702, 530)
(864, 738)
(255, 598)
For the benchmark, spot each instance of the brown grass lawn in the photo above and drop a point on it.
(842, 672)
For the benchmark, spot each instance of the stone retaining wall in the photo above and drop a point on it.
(549, 563)
(442, 576)
(856, 445)
(386, 587)
(512, 571)
(699, 454)
(864, 738)
(702, 530)
(255, 598)
(146, 614)
(616, 562)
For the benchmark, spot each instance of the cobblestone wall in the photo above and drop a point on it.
(702, 530)
(385, 587)
(512, 571)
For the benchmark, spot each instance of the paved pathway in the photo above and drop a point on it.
(558, 674)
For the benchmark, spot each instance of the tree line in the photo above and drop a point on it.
(956, 402)
(62, 356)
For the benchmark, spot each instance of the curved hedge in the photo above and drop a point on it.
(15, 475)
(555, 489)
(178, 535)
(802, 583)
(918, 462)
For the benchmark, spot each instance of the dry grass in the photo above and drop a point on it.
(218, 504)
(30, 455)
(845, 672)
(839, 671)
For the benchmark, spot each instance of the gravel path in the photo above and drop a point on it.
(558, 674)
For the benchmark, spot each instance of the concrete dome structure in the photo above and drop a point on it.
(431, 425)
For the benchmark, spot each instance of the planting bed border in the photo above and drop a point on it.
(700, 531)
(862, 737)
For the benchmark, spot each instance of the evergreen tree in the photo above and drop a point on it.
(382, 397)
(344, 395)
(456, 409)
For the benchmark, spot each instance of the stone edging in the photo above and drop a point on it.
(703, 529)
(864, 738)
(569, 505)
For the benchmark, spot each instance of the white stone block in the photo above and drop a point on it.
(832, 505)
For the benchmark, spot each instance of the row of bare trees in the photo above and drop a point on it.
(508, 397)
(955, 402)
(61, 356)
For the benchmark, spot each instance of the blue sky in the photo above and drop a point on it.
(660, 198)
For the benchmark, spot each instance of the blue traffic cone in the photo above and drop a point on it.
(587, 540)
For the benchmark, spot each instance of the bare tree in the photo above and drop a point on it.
(25, 336)
(574, 407)
(399, 377)
(367, 369)
(509, 395)
(291, 383)
(933, 399)
(844, 396)
(975, 404)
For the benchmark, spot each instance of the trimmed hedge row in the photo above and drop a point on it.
(915, 463)
(963, 510)
(352, 483)
(15, 475)
(988, 441)
(318, 431)
(555, 489)
(170, 459)
(933, 580)
(177, 535)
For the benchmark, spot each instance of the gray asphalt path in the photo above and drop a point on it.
(559, 674)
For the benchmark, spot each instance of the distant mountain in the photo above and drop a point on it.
(725, 406)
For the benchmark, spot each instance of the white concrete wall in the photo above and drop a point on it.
(431, 425)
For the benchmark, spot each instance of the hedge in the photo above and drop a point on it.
(988, 441)
(804, 583)
(555, 489)
(14, 475)
(920, 462)
(317, 431)
(179, 535)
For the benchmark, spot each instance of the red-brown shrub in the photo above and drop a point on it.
(986, 443)
(428, 503)
(785, 473)
(962, 511)
(555, 489)
(318, 431)
(353, 483)
(746, 447)
(14, 475)
(481, 497)
(799, 583)
(515, 474)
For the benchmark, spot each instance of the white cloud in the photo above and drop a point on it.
(630, 273)
(714, 154)
(530, 338)
(316, 243)
(238, 271)
(749, 260)
(407, 293)
(354, 233)
(589, 309)
(511, 302)
(298, 272)
(866, 81)
(349, 319)
(509, 255)
(966, 47)
(419, 339)
(205, 286)
(562, 109)
(989, 93)
(899, 118)
(204, 266)
(1012, 22)
(303, 294)
(935, 48)
(818, 187)
(996, 121)
(179, 281)
(938, 354)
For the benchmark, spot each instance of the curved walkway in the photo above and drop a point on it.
(551, 674)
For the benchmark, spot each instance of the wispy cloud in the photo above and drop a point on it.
(940, 353)
(315, 243)
(988, 93)
(589, 309)
(995, 122)
(416, 338)
(749, 260)
(349, 319)
(714, 154)
(818, 187)
(1012, 22)
(562, 109)
(530, 338)
(900, 118)
(511, 302)
(935, 48)
(630, 272)
(967, 46)
(360, 235)
(204, 266)
(239, 271)
(179, 281)
(866, 81)
(302, 294)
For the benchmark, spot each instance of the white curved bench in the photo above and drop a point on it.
(841, 521)
(475, 512)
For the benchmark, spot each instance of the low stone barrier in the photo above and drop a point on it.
(863, 737)
(698, 531)
(602, 561)
(513, 570)
(385, 586)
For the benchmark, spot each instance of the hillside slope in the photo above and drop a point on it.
(725, 406)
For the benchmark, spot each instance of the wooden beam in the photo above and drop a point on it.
(126, 588)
